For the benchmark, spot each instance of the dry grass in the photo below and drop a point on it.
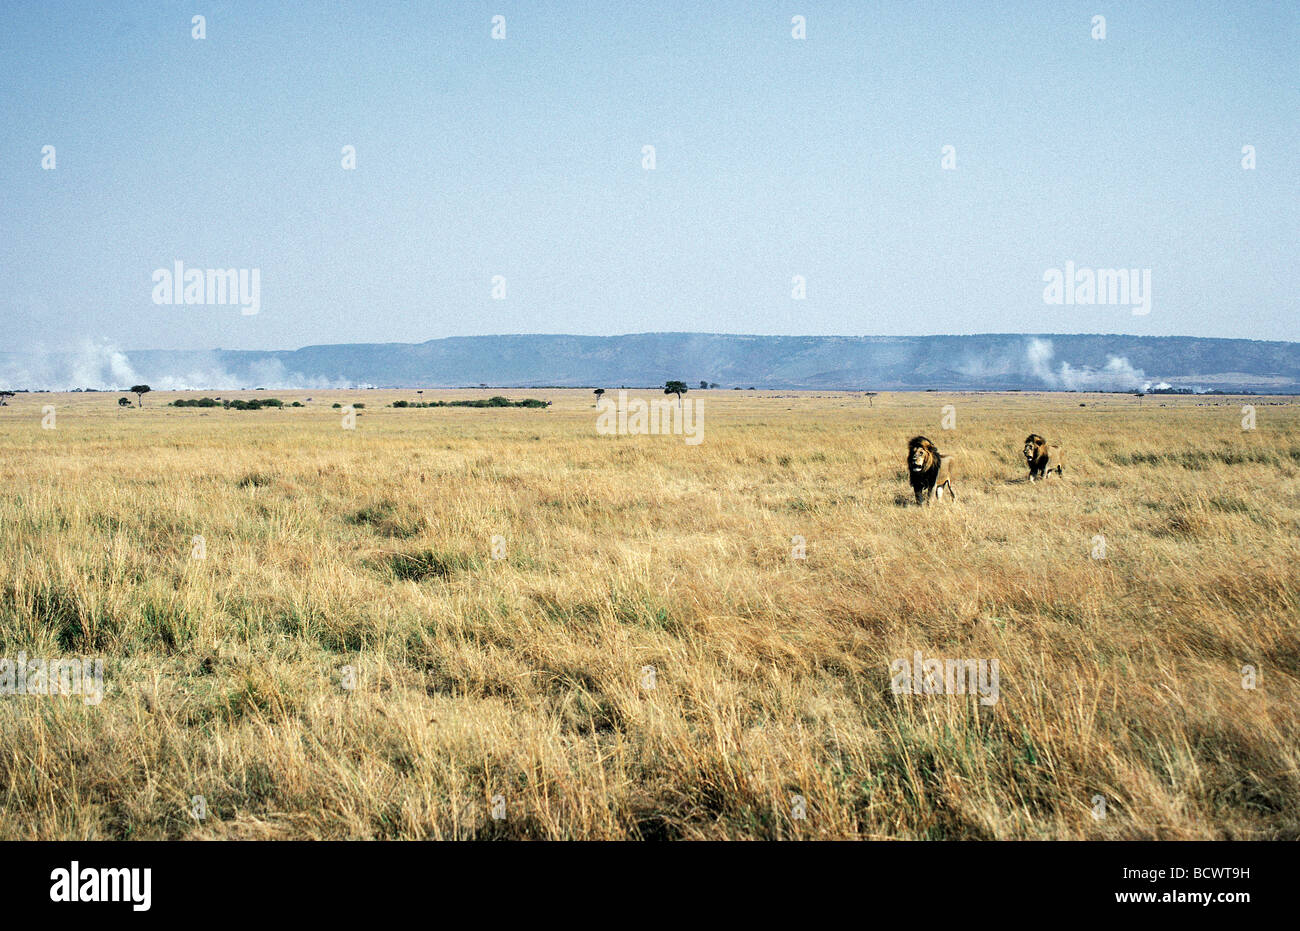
(522, 677)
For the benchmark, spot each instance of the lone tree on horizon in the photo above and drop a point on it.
(678, 388)
(140, 391)
(599, 393)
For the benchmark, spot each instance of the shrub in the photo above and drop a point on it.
(496, 401)
(195, 402)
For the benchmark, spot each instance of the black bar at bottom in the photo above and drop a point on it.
(912, 881)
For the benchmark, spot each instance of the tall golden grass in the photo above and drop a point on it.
(524, 677)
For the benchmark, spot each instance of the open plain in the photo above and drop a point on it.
(460, 622)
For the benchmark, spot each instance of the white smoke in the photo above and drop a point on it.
(1118, 374)
(93, 364)
(1038, 355)
(104, 367)
(101, 366)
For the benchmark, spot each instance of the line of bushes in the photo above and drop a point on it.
(236, 405)
(495, 401)
(258, 403)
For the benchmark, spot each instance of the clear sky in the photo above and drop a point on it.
(522, 157)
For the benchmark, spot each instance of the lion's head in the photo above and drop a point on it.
(921, 454)
(1034, 447)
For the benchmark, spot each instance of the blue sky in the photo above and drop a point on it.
(522, 158)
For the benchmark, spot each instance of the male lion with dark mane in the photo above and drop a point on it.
(927, 470)
(1043, 458)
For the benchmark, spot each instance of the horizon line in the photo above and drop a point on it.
(845, 336)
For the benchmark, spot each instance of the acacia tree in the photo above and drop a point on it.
(599, 393)
(140, 391)
(678, 388)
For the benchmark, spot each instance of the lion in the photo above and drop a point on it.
(928, 470)
(1043, 458)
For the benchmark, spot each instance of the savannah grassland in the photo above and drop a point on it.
(523, 676)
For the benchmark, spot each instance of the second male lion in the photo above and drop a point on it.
(1043, 458)
(927, 470)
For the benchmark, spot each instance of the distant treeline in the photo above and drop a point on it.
(236, 405)
(496, 401)
(258, 403)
